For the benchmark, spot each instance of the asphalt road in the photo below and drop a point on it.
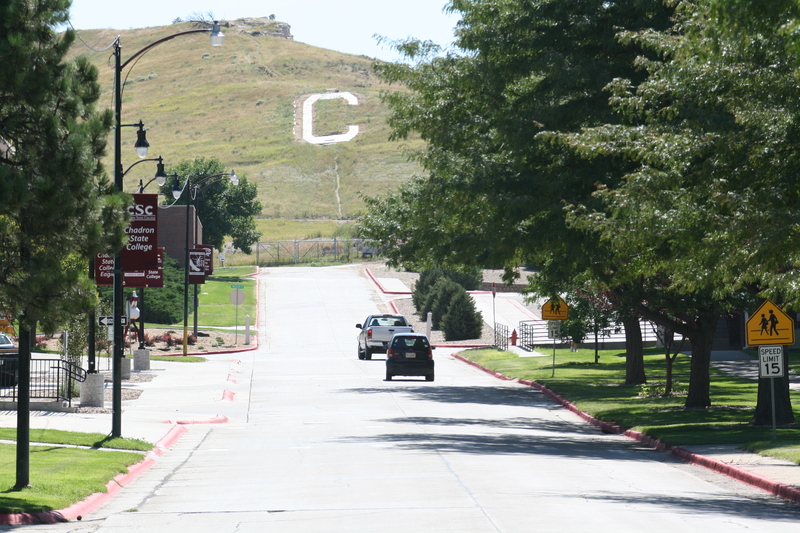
(318, 441)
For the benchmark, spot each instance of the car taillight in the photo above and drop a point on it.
(430, 353)
(390, 353)
(369, 333)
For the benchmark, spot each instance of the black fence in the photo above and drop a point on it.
(52, 380)
(501, 336)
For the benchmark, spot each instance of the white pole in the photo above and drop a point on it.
(428, 325)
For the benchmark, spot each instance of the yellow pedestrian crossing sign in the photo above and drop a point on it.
(769, 326)
(555, 309)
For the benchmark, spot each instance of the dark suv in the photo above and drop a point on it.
(409, 354)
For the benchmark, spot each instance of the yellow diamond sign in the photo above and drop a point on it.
(769, 326)
(555, 309)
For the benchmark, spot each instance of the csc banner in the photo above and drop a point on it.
(141, 252)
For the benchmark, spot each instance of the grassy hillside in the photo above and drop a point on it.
(237, 103)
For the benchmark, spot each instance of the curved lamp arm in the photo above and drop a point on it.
(216, 40)
(177, 190)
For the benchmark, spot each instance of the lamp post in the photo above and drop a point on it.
(119, 66)
(176, 193)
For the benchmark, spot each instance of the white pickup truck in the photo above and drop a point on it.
(377, 331)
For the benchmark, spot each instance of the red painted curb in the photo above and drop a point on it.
(380, 286)
(169, 439)
(787, 492)
(463, 345)
(93, 501)
(219, 419)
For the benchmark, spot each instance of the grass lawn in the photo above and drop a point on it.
(216, 308)
(598, 389)
(61, 476)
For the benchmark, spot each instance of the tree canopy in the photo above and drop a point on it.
(637, 149)
(58, 208)
(224, 209)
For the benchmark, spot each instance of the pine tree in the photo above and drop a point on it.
(57, 208)
(441, 298)
(462, 320)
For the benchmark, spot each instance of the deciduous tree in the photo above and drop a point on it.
(224, 209)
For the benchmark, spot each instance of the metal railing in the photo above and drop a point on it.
(501, 336)
(51, 379)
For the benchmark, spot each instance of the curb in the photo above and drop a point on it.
(93, 501)
(380, 286)
(782, 490)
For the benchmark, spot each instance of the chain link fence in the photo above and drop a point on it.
(275, 253)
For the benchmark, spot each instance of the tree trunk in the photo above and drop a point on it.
(668, 379)
(783, 403)
(702, 338)
(634, 352)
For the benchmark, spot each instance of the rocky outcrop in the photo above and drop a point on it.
(260, 26)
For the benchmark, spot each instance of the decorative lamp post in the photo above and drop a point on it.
(192, 191)
(118, 353)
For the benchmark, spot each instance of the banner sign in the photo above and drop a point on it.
(104, 269)
(141, 252)
(147, 279)
(209, 264)
(197, 271)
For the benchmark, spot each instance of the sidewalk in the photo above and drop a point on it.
(179, 394)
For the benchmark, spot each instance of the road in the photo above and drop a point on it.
(318, 441)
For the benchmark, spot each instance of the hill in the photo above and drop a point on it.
(239, 103)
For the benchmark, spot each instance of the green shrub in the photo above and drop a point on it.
(440, 297)
(462, 321)
(427, 279)
(165, 305)
(471, 280)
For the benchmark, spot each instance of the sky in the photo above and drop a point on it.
(342, 25)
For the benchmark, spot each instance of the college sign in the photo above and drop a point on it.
(146, 279)
(141, 252)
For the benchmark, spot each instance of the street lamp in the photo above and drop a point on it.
(176, 193)
(160, 177)
(119, 66)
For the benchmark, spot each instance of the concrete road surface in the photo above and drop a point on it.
(318, 441)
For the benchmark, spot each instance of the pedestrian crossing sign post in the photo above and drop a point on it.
(769, 326)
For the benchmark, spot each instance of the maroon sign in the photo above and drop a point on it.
(147, 279)
(104, 269)
(197, 271)
(209, 264)
(141, 252)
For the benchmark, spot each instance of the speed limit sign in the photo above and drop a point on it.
(770, 361)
